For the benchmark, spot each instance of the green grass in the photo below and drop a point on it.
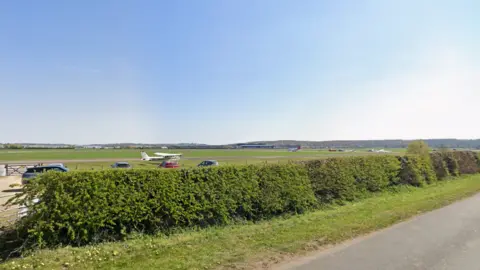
(187, 163)
(244, 246)
(184, 163)
(12, 155)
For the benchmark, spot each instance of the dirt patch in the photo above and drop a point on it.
(6, 192)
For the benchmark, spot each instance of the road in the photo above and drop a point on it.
(446, 239)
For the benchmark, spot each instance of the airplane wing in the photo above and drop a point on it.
(167, 155)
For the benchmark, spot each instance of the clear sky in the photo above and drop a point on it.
(225, 71)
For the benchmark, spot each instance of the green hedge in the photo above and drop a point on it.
(467, 161)
(84, 207)
(375, 173)
(440, 165)
(478, 160)
(416, 171)
(454, 163)
(332, 179)
(80, 208)
(339, 179)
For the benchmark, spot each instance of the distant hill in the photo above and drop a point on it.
(450, 143)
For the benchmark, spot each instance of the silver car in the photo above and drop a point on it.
(34, 171)
(121, 165)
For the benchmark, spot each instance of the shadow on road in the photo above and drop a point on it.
(13, 190)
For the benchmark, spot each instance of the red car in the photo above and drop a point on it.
(169, 164)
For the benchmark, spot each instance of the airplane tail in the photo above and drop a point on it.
(144, 156)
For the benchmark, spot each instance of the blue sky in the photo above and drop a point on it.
(219, 71)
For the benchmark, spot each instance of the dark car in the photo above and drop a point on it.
(208, 163)
(121, 165)
(34, 171)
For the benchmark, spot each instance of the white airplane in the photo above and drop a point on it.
(160, 156)
(379, 151)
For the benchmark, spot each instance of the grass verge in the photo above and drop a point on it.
(246, 246)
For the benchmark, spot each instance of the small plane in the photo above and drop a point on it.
(294, 149)
(379, 151)
(160, 156)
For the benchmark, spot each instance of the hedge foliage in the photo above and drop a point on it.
(416, 171)
(467, 161)
(338, 179)
(478, 161)
(84, 207)
(79, 208)
(454, 163)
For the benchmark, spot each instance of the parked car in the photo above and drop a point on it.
(207, 163)
(121, 165)
(57, 164)
(23, 209)
(169, 164)
(34, 171)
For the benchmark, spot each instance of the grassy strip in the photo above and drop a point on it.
(71, 154)
(11, 155)
(241, 246)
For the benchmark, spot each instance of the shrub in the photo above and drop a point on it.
(283, 188)
(418, 148)
(455, 163)
(374, 174)
(452, 164)
(439, 164)
(332, 179)
(467, 161)
(416, 171)
(83, 207)
(477, 156)
(339, 179)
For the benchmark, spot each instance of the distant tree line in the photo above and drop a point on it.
(29, 146)
(434, 143)
(13, 146)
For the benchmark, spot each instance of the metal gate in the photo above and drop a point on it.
(18, 169)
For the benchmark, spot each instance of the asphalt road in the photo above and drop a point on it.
(448, 238)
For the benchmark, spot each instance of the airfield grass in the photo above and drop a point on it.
(257, 245)
(184, 163)
(188, 163)
(95, 159)
(12, 155)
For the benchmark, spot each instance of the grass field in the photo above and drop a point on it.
(94, 159)
(85, 154)
(258, 245)
(98, 165)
